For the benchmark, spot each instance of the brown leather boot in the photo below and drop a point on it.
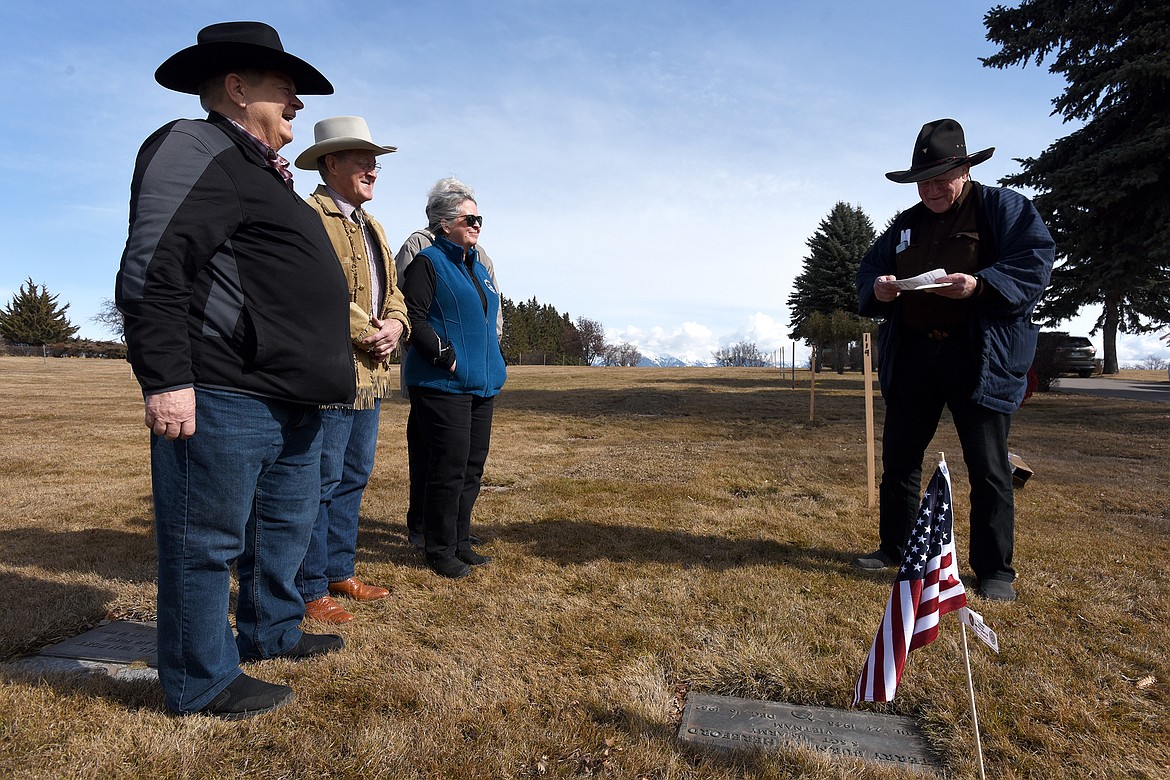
(326, 610)
(358, 590)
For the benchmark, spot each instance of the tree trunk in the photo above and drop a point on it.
(1109, 334)
(840, 353)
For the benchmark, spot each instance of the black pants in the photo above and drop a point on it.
(453, 431)
(928, 376)
(416, 457)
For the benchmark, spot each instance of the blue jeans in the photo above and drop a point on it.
(349, 439)
(243, 490)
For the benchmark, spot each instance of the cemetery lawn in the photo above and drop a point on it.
(654, 532)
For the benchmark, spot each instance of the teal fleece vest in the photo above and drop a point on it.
(458, 318)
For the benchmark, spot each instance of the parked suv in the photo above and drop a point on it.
(1071, 354)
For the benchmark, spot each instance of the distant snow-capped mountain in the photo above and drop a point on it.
(663, 360)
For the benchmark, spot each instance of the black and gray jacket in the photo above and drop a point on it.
(228, 279)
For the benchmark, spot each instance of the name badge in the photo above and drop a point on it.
(905, 242)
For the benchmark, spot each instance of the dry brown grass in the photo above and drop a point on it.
(654, 531)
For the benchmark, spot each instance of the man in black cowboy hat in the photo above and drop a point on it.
(235, 312)
(964, 342)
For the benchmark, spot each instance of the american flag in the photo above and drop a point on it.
(926, 588)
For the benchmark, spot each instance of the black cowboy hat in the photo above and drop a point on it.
(229, 46)
(940, 147)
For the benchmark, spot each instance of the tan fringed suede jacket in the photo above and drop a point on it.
(373, 378)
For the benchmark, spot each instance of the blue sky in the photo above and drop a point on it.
(655, 166)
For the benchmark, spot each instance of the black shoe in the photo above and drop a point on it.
(416, 538)
(874, 561)
(452, 568)
(245, 697)
(314, 644)
(308, 646)
(472, 558)
(995, 590)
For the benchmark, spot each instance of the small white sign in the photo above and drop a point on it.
(975, 621)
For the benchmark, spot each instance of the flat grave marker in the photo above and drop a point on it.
(730, 723)
(120, 642)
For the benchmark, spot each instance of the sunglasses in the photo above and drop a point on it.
(471, 220)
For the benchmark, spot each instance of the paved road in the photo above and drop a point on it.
(1117, 388)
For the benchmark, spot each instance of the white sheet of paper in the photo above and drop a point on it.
(916, 282)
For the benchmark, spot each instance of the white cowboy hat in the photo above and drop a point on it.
(339, 134)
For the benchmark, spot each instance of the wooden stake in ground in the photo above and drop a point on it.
(870, 468)
(812, 382)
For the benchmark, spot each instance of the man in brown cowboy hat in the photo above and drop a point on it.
(964, 342)
(236, 328)
(347, 159)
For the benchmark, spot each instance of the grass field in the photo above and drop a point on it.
(655, 532)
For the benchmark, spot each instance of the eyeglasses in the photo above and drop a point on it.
(471, 220)
(363, 164)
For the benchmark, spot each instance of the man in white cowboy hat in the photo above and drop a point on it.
(965, 342)
(347, 159)
(236, 328)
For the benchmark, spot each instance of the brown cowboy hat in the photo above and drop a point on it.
(940, 147)
(229, 46)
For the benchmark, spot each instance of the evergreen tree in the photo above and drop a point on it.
(571, 345)
(33, 317)
(828, 284)
(1102, 189)
(536, 333)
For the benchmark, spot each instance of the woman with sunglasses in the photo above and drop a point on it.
(454, 370)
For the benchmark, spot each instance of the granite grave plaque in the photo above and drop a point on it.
(47, 665)
(731, 723)
(122, 642)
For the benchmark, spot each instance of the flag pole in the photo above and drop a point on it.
(970, 681)
(971, 692)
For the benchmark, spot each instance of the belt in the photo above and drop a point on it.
(938, 335)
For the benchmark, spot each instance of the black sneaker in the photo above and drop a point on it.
(995, 590)
(875, 560)
(245, 697)
(452, 568)
(472, 558)
(308, 646)
(314, 644)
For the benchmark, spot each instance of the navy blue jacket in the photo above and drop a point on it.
(1015, 273)
(452, 306)
(228, 279)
